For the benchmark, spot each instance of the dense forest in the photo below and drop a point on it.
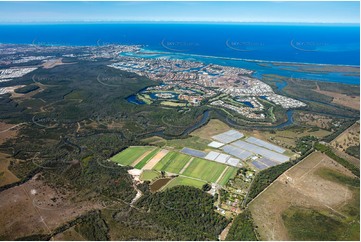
(187, 211)
(242, 228)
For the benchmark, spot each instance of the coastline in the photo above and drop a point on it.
(274, 67)
(242, 59)
(258, 70)
(149, 51)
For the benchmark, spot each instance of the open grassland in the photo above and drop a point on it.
(316, 189)
(129, 155)
(230, 173)
(193, 142)
(147, 158)
(6, 176)
(213, 127)
(173, 162)
(204, 170)
(184, 181)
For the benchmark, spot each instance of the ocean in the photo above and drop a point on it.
(245, 44)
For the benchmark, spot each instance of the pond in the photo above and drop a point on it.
(248, 104)
(158, 184)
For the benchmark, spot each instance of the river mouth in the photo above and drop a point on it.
(158, 184)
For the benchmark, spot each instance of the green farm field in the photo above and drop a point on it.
(229, 174)
(129, 155)
(173, 162)
(184, 181)
(147, 158)
(204, 170)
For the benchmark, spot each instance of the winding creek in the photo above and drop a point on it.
(205, 116)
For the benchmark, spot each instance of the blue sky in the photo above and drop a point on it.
(278, 11)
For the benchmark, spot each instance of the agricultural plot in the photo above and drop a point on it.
(131, 154)
(185, 181)
(222, 158)
(173, 162)
(215, 144)
(259, 165)
(265, 144)
(193, 170)
(155, 159)
(234, 162)
(243, 147)
(262, 151)
(268, 162)
(230, 173)
(228, 137)
(204, 170)
(192, 152)
(212, 155)
(147, 158)
(237, 152)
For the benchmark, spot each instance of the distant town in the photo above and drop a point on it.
(183, 83)
(190, 83)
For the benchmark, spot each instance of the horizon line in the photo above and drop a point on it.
(172, 21)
